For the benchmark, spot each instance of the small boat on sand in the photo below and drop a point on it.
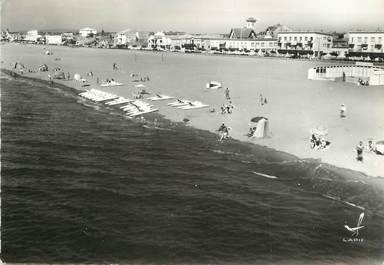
(194, 105)
(158, 97)
(213, 85)
(111, 83)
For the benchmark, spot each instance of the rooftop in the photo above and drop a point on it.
(242, 33)
(304, 32)
(365, 32)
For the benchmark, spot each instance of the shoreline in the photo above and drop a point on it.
(279, 155)
(206, 121)
(283, 58)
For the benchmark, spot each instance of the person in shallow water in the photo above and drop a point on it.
(359, 151)
(223, 131)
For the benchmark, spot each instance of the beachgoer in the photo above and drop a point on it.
(50, 79)
(371, 148)
(222, 127)
(68, 76)
(343, 111)
(359, 151)
(227, 94)
(225, 133)
(265, 101)
(344, 77)
(261, 100)
(223, 109)
(228, 109)
(114, 66)
(231, 105)
(252, 131)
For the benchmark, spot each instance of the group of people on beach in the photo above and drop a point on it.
(362, 83)
(223, 132)
(318, 142)
(360, 148)
(227, 108)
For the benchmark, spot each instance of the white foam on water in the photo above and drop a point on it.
(264, 175)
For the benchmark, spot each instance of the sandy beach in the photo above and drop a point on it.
(295, 104)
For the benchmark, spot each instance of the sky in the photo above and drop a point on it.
(194, 16)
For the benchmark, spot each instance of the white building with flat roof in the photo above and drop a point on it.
(53, 39)
(305, 41)
(159, 41)
(366, 41)
(258, 44)
(85, 32)
(33, 36)
(263, 44)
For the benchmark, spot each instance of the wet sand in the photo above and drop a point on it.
(295, 104)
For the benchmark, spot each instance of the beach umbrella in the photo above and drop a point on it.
(258, 118)
(139, 85)
(77, 77)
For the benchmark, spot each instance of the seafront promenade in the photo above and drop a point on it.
(295, 105)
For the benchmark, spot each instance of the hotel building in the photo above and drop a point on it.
(366, 41)
(305, 41)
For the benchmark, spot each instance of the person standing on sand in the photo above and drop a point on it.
(343, 110)
(261, 100)
(227, 94)
(68, 76)
(359, 150)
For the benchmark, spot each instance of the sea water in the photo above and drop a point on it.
(83, 183)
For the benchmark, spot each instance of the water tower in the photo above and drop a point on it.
(250, 23)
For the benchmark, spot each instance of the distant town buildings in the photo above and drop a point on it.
(316, 42)
(130, 37)
(246, 32)
(86, 32)
(33, 36)
(272, 31)
(366, 41)
(278, 39)
(53, 39)
(159, 41)
(250, 23)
